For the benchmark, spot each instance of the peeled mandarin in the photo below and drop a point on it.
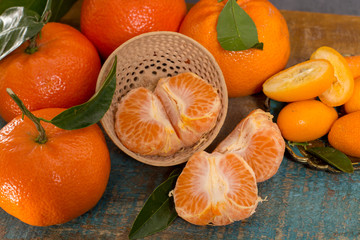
(216, 189)
(306, 120)
(258, 140)
(142, 125)
(342, 87)
(303, 81)
(191, 103)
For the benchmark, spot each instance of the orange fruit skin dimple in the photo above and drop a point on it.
(345, 134)
(54, 182)
(258, 140)
(109, 23)
(61, 74)
(244, 71)
(215, 189)
(306, 120)
(191, 103)
(142, 125)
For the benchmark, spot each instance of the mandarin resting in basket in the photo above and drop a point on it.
(142, 125)
(109, 23)
(307, 120)
(50, 182)
(216, 189)
(179, 112)
(258, 140)
(244, 71)
(62, 72)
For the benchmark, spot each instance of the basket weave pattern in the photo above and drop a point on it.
(142, 61)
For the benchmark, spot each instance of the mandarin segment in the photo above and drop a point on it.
(216, 189)
(306, 120)
(303, 81)
(258, 140)
(191, 103)
(342, 88)
(142, 125)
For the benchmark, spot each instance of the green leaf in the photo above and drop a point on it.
(59, 8)
(17, 25)
(92, 111)
(333, 157)
(158, 212)
(236, 31)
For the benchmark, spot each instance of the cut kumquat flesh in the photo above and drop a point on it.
(342, 87)
(191, 103)
(300, 82)
(258, 140)
(215, 189)
(142, 125)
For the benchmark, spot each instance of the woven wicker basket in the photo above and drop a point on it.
(142, 61)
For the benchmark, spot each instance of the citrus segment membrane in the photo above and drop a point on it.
(300, 82)
(216, 189)
(258, 140)
(342, 87)
(142, 125)
(191, 103)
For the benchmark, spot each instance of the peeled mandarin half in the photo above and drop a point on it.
(216, 189)
(342, 87)
(191, 103)
(142, 125)
(303, 81)
(258, 140)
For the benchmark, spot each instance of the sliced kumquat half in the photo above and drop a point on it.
(354, 64)
(216, 189)
(302, 81)
(342, 87)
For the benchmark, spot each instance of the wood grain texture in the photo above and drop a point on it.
(302, 203)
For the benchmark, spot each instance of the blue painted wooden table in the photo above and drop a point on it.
(302, 203)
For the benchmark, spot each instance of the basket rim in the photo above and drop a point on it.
(171, 161)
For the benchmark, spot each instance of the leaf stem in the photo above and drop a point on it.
(33, 47)
(42, 138)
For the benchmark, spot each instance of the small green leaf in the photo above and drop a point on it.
(58, 8)
(236, 31)
(333, 157)
(17, 25)
(92, 111)
(158, 212)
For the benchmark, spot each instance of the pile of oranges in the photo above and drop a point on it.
(329, 77)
